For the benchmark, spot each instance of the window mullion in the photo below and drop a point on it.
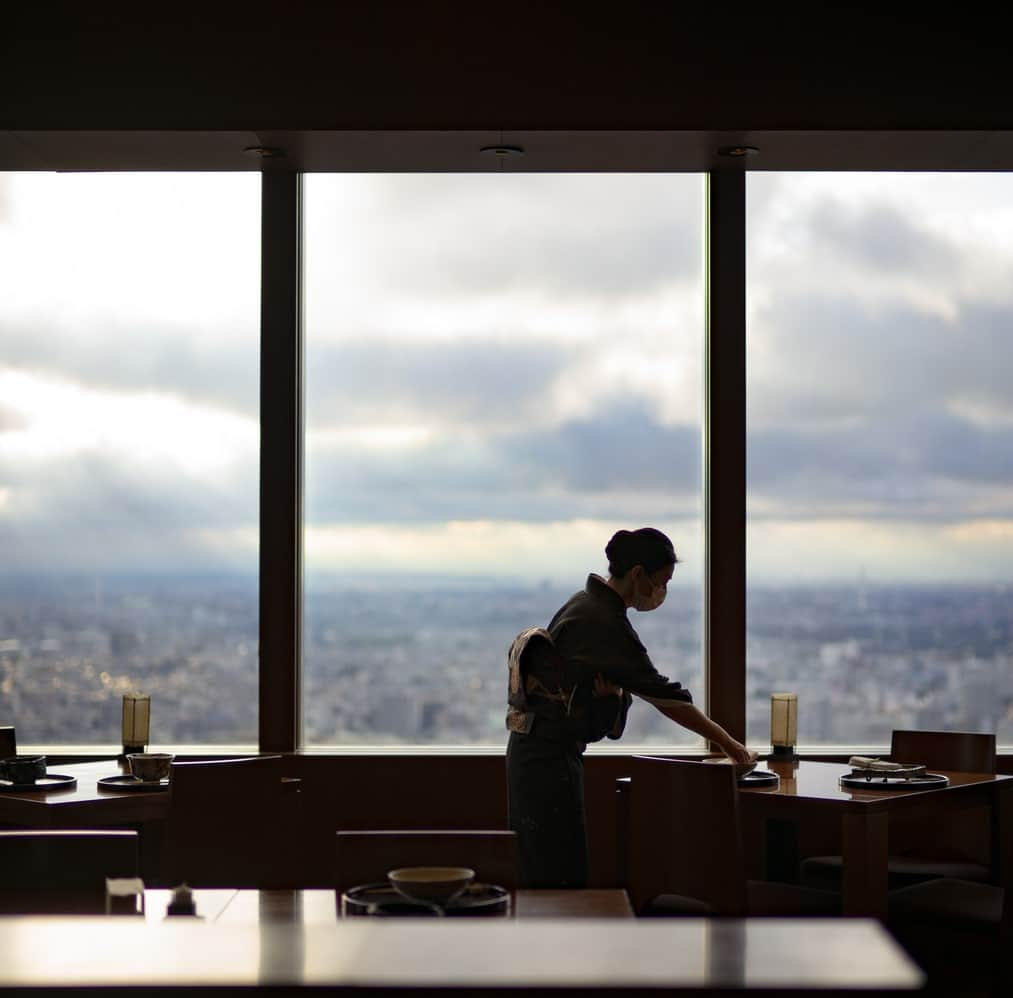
(725, 452)
(281, 462)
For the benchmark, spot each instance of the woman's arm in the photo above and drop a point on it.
(691, 717)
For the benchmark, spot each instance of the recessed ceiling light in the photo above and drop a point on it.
(738, 151)
(265, 152)
(502, 152)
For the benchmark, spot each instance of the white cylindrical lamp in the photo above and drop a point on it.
(136, 721)
(783, 725)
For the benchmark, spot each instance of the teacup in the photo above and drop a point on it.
(23, 768)
(150, 766)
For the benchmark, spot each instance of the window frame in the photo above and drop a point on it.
(282, 457)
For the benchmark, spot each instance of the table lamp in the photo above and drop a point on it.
(136, 721)
(783, 725)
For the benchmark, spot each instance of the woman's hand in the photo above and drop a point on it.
(603, 688)
(738, 752)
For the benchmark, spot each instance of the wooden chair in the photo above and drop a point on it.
(957, 751)
(233, 823)
(685, 847)
(62, 872)
(959, 931)
(364, 857)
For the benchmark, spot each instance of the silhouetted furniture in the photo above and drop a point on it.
(318, 906)
(685, 847)
(62, 872)
(955, 751)
(959, 931)
(364, 857)
(812, 790)
(233, 823)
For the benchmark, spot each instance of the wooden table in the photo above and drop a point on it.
(423, 958)
(319, 906)
(84, 805)
(808, 789)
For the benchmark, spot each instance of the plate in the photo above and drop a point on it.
(758, 778)
(51, 781)
(890, 781)
(127, 782)
(382, 899)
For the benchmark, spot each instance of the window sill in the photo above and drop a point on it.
(70, 752)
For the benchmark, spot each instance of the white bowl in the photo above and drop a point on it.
(430, 884)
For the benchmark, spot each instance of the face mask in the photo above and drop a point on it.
(652, 600)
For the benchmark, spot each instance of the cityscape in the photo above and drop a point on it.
(422, 661)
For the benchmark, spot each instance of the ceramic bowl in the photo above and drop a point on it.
(430, 884)
(23, 768)
(150, 766)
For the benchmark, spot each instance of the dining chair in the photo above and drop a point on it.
(685, 851)
(959, 931)
(364, 857)
(233, 823)
(956, 751)
(62, 872)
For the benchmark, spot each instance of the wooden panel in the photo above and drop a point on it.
(232, 824)
(962, 751)
(441, 65)
(685, 834)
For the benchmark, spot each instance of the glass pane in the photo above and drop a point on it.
(502, 369)
(129, 329)
(880, 457)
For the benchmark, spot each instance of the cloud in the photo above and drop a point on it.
(877, 236)
(589, 236)
(141, 356)
(827, 359)
(619, 461)
(389, 382)
(96, 513)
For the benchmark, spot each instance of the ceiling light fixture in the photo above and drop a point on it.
(739, 152)
(502, 152)
(265, 152)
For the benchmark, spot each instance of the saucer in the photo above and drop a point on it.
(127, 782)
(51, 781)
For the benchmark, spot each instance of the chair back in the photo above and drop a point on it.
(957, 751)
(232, 823)
(62, 872)
(365, 857)
(684, 834)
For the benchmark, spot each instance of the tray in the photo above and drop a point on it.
(865, 780)
(758, 778)
(383, 900)
(51, 781)
(127, 782)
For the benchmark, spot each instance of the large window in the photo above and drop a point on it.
(129, 311)
(880, 359)
(502, 369)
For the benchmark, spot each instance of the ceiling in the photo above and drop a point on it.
(424, 85)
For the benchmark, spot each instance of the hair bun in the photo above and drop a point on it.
(647, 546)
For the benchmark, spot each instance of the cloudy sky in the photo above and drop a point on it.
(504, 368)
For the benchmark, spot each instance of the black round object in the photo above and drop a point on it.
(51, 781)
(884, 781)
(758, 778)
(128, 782)
(382, 900)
